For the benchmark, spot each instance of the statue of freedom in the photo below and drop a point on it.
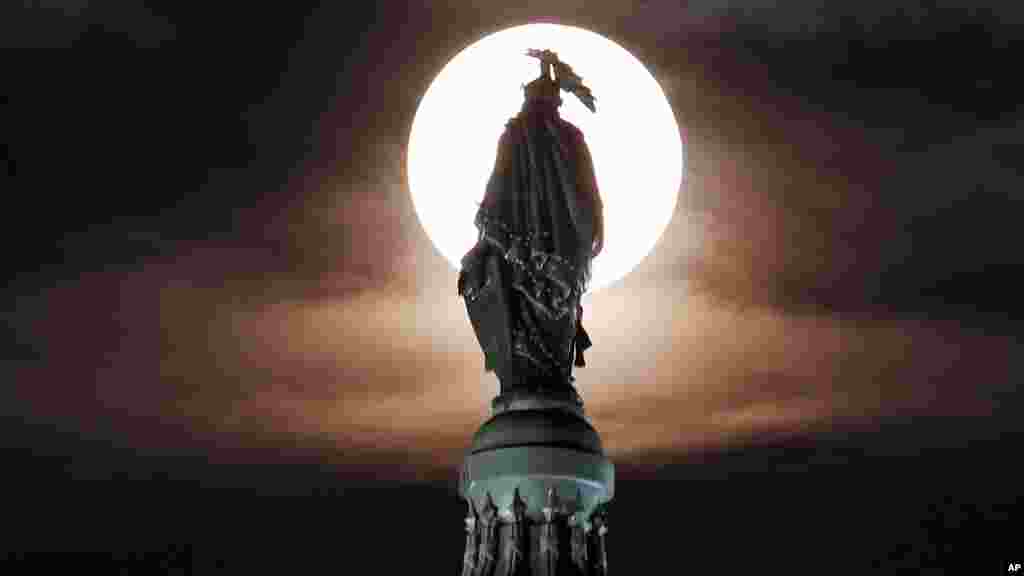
(540, 225)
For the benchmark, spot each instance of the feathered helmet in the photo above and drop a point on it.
(565, 78)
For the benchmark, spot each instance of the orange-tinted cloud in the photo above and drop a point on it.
(337, 329)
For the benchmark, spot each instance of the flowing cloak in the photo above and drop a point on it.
(539, 218)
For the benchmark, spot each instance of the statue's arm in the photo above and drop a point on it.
(598, 223)
(588, 178)
(471, 276)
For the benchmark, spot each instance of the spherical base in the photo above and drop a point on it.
(538, 444)
(538, 486)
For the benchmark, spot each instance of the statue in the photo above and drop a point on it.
(540, 225)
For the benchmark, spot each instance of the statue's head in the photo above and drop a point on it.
(543, 89)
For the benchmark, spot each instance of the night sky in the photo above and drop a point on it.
(233, 346)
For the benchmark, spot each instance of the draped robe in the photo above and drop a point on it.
(539, 220)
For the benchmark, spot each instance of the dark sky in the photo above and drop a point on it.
(232, 338)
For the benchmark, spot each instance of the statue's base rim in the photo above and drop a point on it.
(533, 400)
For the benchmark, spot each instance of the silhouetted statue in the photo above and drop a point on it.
(540, 225)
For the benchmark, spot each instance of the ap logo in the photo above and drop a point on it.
(1013, 568)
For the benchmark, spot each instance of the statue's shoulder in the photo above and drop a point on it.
(571, 129)
(569, 126)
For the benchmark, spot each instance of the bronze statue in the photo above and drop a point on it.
(540, 225)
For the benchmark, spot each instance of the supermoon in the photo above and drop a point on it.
(633, 138)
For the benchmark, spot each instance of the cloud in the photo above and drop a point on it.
(337, 330)
(169, 357)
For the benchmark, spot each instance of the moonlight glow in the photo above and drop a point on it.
(633, 138)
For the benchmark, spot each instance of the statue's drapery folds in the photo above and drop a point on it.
(540, 224)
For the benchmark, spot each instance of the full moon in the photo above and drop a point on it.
(633, 138)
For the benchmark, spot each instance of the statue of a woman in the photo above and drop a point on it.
(540, 225)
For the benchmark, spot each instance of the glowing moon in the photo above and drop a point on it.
(633, 138)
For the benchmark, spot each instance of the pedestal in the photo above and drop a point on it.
(537, 485)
